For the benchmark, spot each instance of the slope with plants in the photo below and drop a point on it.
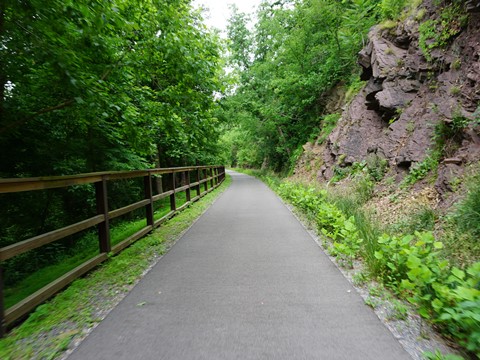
(393, 141)
(281, 72)
(414, 126)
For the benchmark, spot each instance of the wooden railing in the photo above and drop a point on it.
(206, 179)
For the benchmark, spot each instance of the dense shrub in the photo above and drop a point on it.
(411, 265)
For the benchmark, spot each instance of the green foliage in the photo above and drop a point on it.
(240, 39)
(300, 51)
(456, 64)
(328, 124)
(446, 137)
(118, 87)
(90, 86)
(388, 25)
(408, 259)
(376, 166)
(412, 265)
(460, 227)
(391, 9)
(341, 172)
(467, 212)
(437, 33)
(329, 219)
(373, 168)
(437, 355)
(354, 88)
(420, 170)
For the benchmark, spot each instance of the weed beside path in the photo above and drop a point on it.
(411, 266)
(57, 326)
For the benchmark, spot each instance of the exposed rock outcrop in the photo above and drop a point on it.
(406, 97)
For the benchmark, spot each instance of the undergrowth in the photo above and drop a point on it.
(412, 265)
(51, 328)
(84, 249)
(437, 33)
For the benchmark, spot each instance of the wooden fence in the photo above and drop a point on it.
(206, 179)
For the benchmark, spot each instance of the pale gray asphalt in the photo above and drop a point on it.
(245, 282)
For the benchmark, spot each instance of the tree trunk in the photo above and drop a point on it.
(284, 141)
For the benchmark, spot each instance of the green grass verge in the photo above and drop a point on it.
(84, 249)
(412, 265)
(50, 329)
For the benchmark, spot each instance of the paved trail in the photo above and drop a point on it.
(245, 282)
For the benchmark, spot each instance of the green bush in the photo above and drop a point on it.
(376, 166)
(412, 265)
(446, 295)
(330, 220)
(467, 214)
(391, 9)
(328, 124)
(437, 33)
(421, 169)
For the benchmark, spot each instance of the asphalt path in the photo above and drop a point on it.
(246, 281)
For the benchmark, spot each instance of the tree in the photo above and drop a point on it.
(300, 51)
(93, 85)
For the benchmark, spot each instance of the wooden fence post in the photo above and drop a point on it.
(199, 191)
(205, 184)
(147, 184)
(3, 325)
(212, 179)
(187, 192)
(173, 205)
(102, 209)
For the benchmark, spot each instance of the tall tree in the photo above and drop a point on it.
(301, 50)
(94, 85)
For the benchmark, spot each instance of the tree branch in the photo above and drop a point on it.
(42, 111)
(56, 107)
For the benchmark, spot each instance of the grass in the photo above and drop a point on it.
(461, 227)
(422, 219)
(52, 327)
(85, 248)
(467, 212)
(410, 263)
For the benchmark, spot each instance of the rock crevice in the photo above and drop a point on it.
(405, 98)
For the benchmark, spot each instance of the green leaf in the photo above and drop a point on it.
(407, 285)
(458, 273)
(424, 313)
(438, 245)
(466, 293)
(413, 262)
(437, 304)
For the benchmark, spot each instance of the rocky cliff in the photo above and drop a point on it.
(422, 82)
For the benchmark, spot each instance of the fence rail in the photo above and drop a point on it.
(208, 176)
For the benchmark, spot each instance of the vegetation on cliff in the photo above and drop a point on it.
(396, 139)
(282, 71)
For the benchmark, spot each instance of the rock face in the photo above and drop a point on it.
(406, 96)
